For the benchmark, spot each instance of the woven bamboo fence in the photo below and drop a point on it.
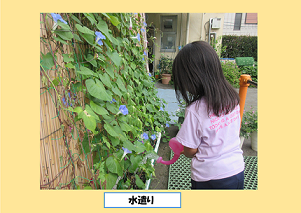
(62, 161)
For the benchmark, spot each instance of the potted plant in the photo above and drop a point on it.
(165, 66)
(249, 127)
(157, 73)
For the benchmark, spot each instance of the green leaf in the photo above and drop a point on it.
(89, 38)
(70, 66)
(110, 130)
(78, 109)
(125, 127)
(75, 19)
(114, 141)
(60, 40)
(116, 91)
(97, 90)
(134, 162)
(85, 71)
(133, 65)
(77, 37)
(127, 144)
(114, 20)
(121, 85)
(91, 18)
(89, 120)
(114, 56)
(85, 144)
(114, 166)
(98, 109)
(139, 147)
(110, 180)
(90, 112)
(105, 78)
(139, 182)
(47, 61)
(151, 108)
(112, 108)
(67, 59)
(91, 60)
(88, 188)
(84, 30)
(63, 25)
(65, 35)
(110, 70)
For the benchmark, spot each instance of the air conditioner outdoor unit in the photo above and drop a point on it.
(216, 23)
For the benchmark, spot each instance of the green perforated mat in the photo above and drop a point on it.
(179, 173)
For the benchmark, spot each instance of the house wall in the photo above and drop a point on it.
(197, 30)
(246, 29)
(154, 19)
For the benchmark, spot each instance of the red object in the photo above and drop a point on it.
(177, 148)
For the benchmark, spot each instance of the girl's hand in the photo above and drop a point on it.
(182, 152)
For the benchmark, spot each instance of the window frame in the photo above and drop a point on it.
(237, 23)
(167, 32)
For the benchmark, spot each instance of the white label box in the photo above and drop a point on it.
(142, 199)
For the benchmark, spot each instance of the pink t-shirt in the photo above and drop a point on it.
(217, 139)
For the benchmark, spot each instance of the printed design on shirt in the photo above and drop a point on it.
(224, 120)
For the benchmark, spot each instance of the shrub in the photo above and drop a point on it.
(239, 46)
(231, 72)
(250, 70)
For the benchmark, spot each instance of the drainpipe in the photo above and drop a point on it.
(202, 27)
(187, 29)
(209, 30)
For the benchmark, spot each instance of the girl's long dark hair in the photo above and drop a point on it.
(197, 73)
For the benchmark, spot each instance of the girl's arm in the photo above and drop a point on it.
(189, 152)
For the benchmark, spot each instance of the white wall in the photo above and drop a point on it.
(245, 29)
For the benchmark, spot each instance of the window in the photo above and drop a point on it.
(169, 33)
(237, 21)
(251, 18)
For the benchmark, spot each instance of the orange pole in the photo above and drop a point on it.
(243, 82)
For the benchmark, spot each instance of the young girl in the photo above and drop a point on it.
(210, 132)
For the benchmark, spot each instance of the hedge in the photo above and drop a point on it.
(239, 46)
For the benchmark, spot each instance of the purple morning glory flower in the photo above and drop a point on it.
(123, 110)
(69, 94)
(144, 53)
(131, 25)
(150, 75)
(57, 17)
(137, 37)
(125, 151)
(153, 137)
(113, 100)
(167, 125)
(142, 30)
(145, 24)
(99, 37)
(161, 109)
(145, 136)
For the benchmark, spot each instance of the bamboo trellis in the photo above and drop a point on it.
(62, 161)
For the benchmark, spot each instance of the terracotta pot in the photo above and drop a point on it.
(166, 78)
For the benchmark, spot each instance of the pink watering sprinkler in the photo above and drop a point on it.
(177, 148)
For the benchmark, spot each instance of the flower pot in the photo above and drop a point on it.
(254, 140)
(166, 78)
(242, 138)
